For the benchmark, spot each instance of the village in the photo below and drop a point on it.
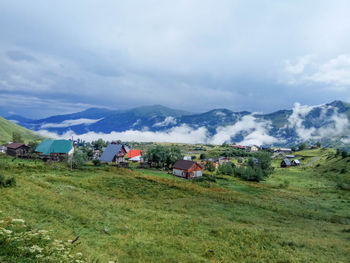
(184, 161)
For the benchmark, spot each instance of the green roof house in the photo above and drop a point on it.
(54, 149)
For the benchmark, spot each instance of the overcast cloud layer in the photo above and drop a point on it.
(191, 54)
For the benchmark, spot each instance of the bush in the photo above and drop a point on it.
(344, 154)
(96, 162)
(7, 182)
(79, 159)
(249, 174)
(209, 166)
(226, 168)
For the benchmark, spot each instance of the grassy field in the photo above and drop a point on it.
(7, 128)
(296, 215)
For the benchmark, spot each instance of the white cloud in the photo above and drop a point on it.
(328, 74)
(220, 113)
(297, 67)
(334, 125)
(256, 132)
(335, 71)
(181, 134)
(167, 121)
(68, 123)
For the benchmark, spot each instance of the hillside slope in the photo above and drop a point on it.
(149, 216)
(7, 128)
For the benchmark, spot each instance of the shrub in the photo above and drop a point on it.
(226, 168)
(209, 166)
(249, 174)
(79, 159)
(344, 154)
(96, 162)
(7, 182)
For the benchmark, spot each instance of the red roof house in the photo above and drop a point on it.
(187, 169)
(134, 155)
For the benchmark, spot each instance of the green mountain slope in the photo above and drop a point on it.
(7, 128)
(296, 215)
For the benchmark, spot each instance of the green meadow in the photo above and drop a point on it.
(296, 215)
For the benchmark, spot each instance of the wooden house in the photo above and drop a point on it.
(55, 150)
(187, 169)
(113, 153)
(285, 163)
(295, 162)
(17, 149)
(253, 148)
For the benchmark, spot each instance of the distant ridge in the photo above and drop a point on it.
(328, 123)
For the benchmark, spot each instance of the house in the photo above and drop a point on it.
(3, 149)
(295, 162)
(289, 156)
(113, 153)
(187, 158)
(284, 150)
(252, 148)
(223, 160)
(55, 149)
(187, 169)
(134, 155)
(285, 163)
(17, 149)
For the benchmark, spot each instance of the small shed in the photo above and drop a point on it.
(187, 169)
(113, 153)
(17, 149)
(295, 162)
(285, 163)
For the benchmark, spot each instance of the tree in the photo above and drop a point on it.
(209, 166)
(32, 146)
(226, 168)
(17, 137)
(302, 146)
(318, 144)
(202, 156)
(99, 144)
(344, 154)
(79, 159)
(338, 152)
(162, 156)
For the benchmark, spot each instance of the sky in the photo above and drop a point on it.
(64, 56)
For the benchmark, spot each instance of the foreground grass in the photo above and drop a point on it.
(149, 216)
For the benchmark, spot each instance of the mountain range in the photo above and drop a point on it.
(328, 123)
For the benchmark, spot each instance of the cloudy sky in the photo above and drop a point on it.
(65, 56)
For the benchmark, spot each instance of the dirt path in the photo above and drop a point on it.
(312, 161)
